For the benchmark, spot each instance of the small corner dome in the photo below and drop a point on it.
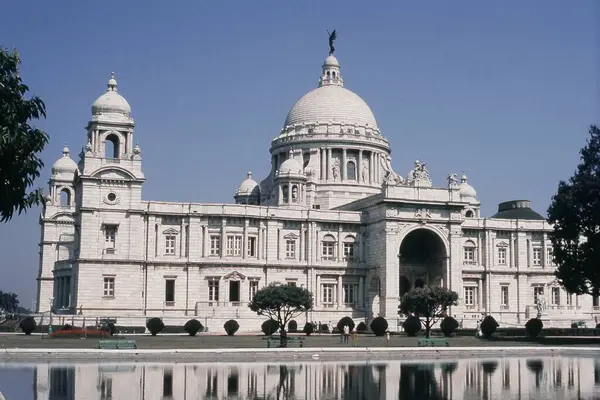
(111, 102)
(64, 165)
(290, 166)
(466, 191)
(332, 61)
(249, 186)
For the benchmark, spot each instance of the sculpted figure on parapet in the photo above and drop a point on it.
(452, 180)
(391, 178)
(419, 174)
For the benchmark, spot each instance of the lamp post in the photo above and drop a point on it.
(50, 321)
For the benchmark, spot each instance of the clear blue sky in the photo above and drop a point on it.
(502, 90)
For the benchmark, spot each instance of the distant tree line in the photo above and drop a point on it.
(9, 302)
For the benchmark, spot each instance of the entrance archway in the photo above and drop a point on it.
(422, 260)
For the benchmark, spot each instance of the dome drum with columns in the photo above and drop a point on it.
(333, 215)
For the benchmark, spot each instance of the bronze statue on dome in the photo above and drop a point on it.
(332, 38)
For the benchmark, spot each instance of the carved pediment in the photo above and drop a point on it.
(502, 244)
(291, 236)
(113, 173)
(170, 231)
(235, 276)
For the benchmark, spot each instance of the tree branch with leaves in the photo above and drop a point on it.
(429, 303)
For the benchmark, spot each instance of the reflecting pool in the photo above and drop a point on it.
(499, 378)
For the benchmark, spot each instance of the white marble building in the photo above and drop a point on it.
(332, 216)
(509, 378)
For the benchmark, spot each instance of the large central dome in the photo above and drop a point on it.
(331, 103)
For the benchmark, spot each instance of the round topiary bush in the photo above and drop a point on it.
(308, 328)
(155, 325)
(488, 326)
(448, 326)
(345, 321)
(361, 327)
(412, 325)
(231, 327)
(269, 327)
(379, 325)
(192, 327)
(534, 327)
(292, 326)
(28, 325)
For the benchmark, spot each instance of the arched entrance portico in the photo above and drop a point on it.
(422, 260)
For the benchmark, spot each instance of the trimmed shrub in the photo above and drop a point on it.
(412, 325)
(192, 327)
(67, 327)
(488, 326)
(231, 327)
(308, 328)
(361, 327)
(575, 326)
(379, 325)
(345, 321)
(324, 328)
(292, 326)
(109, 327)
(448, 326)
(155, 325)
(534, 327)
(269, 327)
(28, 325)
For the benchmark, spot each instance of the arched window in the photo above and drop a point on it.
(469, 254)
(65, 198)
(295, 194)
(284, 192)
(111, 146)
(328, 247)
(351, 170)
(469, 214)
(350, 252)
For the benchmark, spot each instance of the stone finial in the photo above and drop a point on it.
(112, 83)
(137, 150)
(65, 151)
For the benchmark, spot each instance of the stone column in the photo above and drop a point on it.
(182, 240)
(323, 164)
(371, 169)
(317, 292)
(223, 238)
(361, 292)
(359, 164)
(344, 166)
(447, 263)
(259, 241)
(205, 241)
(329, 165)
(529, 253)
(479, 293)
(340, 299)
(245, 240)
(301, 245)
(545, 261)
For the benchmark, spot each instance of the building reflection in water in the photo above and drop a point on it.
(506, 378)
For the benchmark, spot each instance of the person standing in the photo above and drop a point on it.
(346, 334)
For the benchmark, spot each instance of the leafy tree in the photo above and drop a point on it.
(428, 303)
(575, 215)
(9, 302)
(20, 142)
(281, 303)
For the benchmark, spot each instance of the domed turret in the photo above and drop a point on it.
(290, 167)
(467, 192)
(111, 102)
(64, 168)
(248, 192)
(291, 182)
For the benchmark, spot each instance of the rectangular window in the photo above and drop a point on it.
(349, 251)
(253, 289)
(170, 244)
(251, 246)
(549, 256)
(327, 293)
(569, 299)
(504, 296)
(110, 235)
(169, 292)
(556, 296)
(106, 389)
(167, 384)
(215, 245)
(290, 248)
(350, 293)
(291, 283)
(470, 297)
(502, 256)
(328, 252)
(537, 291)
(595, 301)
(469, 255)
(213, 290)
(234, 246)
(109, 286)
(537, 256)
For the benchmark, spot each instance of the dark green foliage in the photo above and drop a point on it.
(575, 326)
(110, 328)
(308, 328)
(430, 303)
(192, 327)
(575, 216)
(412, 325)
(361, 327)
(292, 326)
(8, 301)
(28, 325)
(488, 326)
(20, 142)
(378, 326)
(448, 326)
(155, 325)
(67, 327)
(269, 327)
(343, 322)
(534, 327)
(231, 327)
(324, 328)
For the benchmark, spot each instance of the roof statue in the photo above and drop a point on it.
(332, 38)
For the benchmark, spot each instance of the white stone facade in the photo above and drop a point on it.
(332, 216)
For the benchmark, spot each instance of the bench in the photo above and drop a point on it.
(117, 344)
(433, 342)
(291, 340)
